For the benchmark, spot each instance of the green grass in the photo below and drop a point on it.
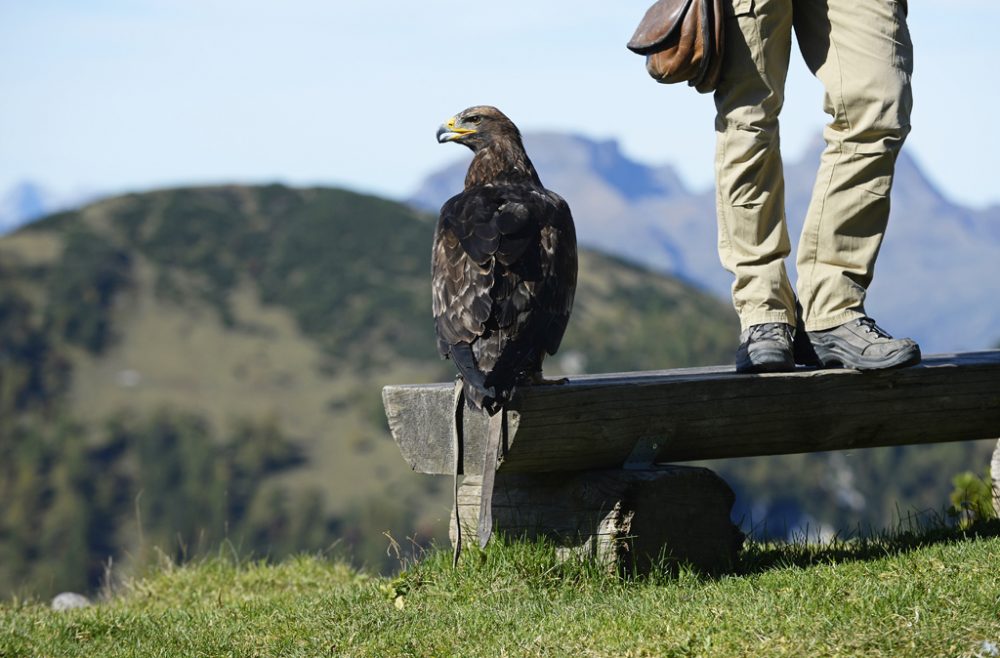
(936, 594)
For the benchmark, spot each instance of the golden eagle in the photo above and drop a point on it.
(504, 263)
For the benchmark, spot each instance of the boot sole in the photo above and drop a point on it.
(834, 356)
(767, 361)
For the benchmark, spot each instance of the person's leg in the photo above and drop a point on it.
(750, 187)
(861, 52)
(750, 203)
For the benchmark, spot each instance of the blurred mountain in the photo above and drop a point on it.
(938, 275)
(27, 201)
(22, 203)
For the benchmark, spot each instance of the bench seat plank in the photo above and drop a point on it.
(605, 421)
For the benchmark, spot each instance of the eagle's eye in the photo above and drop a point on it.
(475, 118)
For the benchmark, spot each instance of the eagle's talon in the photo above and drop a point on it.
(539, 380)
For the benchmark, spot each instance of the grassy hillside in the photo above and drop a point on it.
(906, 596)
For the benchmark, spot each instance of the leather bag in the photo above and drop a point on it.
(682, 41)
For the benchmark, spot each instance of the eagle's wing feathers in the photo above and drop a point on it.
(504, 272)
(461, 275)
(559, 267)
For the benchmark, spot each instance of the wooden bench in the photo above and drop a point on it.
(584, 462)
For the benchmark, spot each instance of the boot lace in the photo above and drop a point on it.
(872, 328)
(768, 331)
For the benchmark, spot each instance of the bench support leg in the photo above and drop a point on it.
(626, 518)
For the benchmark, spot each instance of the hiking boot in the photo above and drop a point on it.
(860, 344)
(765, 348)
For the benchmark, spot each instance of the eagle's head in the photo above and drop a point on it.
(477, 127)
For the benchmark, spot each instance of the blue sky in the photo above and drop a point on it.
(113, 95)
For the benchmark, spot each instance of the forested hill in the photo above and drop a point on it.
(186, 366)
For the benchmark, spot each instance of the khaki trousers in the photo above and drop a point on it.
(860, 50)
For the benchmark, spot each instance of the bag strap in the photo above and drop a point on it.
(491, 462)
(707, 30)
(458, 445)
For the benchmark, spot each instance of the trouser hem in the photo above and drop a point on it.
(822, 324)
(764, 317)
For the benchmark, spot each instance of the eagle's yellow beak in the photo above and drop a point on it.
(449, 131)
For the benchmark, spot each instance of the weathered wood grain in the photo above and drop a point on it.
(707, 413)
(626, 519)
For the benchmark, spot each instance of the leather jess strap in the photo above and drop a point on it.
(494, 454)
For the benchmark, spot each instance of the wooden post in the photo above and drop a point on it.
(625, 518)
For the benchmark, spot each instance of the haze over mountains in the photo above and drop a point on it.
(937, 278)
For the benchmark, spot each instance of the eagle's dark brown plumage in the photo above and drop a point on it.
(504, 263)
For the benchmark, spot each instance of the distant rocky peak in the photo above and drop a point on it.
(27, 201)
(559, 157)
(604, 158)
(911, 185)
(22, 203)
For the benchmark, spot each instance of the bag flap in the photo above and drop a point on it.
(658, 25)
